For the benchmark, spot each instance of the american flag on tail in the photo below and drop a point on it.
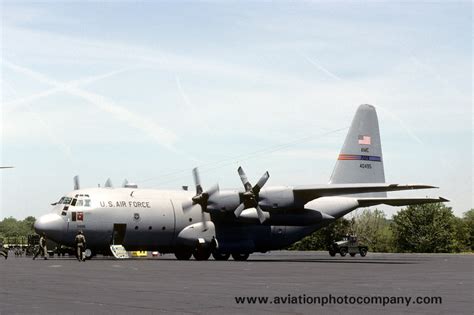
(364, 140)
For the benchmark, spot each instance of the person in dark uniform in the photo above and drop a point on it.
(3, 250)
(43, 250)
(80, 246)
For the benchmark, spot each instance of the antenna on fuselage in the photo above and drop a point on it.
(108, 183)
(77, 186)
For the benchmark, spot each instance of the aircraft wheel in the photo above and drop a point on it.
(220, 256)
(202, 254)
(343, 251)
(332, 253)
(363, 252)
(88, 254)
(240, 257)
(183, 254)
(352, 254)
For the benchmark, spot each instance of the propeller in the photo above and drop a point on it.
(250, 196)
(108, 183)
(202, 197)
(76, 182)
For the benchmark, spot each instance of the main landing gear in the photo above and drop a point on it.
(203, 253)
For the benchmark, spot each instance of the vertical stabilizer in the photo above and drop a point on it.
(360, 160)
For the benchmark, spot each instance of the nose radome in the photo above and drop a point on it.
(50, 224)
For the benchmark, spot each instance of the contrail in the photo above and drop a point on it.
(60, 87)
(183, 95)
(161, 135)
(62, 145)
(191, 105)
(395, 117)
(320, 67)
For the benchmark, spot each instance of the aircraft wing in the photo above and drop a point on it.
(367, 202)
(308, 193)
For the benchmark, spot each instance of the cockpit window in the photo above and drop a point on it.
(80, 201)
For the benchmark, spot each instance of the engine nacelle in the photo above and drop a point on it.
(197, 233)
(226, 200)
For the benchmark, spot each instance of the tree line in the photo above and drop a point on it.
(429, 228)
(15, 230)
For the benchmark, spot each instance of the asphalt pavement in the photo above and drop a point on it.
(286, 283)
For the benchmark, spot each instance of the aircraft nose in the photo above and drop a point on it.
(50, 224)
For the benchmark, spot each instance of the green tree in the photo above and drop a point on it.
(373, 229)
(320, 239)
(15, 230)
(468, 220)
(427, 228)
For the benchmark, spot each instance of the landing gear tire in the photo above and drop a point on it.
(240, 257)
(343, 252)
(220, 256)
(363, 252)
(332, 253)
(183, 254)
(202, 254)
(352, 254)
(88, 254)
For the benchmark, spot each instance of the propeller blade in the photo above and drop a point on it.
(239, 210)
(211, 191)
(76, 183)
(261, 183)
(244, 179)
(204, 221)
(108, 183)
(261, 215)
(197, 181)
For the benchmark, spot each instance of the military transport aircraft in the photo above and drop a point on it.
(228, 222)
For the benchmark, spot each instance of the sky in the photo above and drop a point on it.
(148, 90)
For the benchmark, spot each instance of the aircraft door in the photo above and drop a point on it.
(118, 233)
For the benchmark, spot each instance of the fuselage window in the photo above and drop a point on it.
(73, 203)
(87, 202)
(67, 200)
(79, 203)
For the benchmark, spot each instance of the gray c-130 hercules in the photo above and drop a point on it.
(229, 222)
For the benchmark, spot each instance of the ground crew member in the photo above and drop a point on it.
(3, 250)
(43, 250)
(80, 246)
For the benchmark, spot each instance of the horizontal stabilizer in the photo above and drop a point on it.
(307, 193)
(367, 202)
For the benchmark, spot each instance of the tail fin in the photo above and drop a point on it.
(360, 160)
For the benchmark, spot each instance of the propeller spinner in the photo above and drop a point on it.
(250, 196)
(202, 197)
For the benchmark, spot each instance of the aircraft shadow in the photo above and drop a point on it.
(337, 261)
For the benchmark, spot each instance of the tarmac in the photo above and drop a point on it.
(293, 282)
